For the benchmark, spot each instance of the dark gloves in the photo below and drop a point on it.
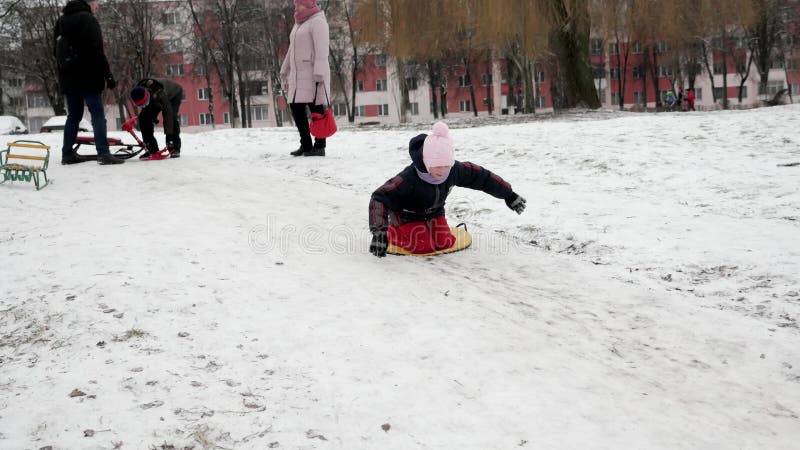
(516, 203)
(379, 244)
(111, 83)
(173, 142)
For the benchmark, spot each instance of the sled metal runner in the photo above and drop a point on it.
(120, 149)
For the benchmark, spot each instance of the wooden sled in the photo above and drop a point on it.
(463, 241)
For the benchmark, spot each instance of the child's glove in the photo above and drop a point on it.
(379, 244)
(516, 203)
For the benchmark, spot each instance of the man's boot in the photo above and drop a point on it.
(108, 158)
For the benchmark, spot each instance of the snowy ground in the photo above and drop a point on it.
(648, 297)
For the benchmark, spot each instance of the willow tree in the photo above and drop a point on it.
(417, 30)
(613, 20)
(570, 42)
(765, 35)
(523, 37)
(726, 20)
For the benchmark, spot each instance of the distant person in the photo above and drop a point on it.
(408, 210)
(671, 101)
(679, 105)
(159, 96)
(83, 73)
(690, 99)
(305, 72)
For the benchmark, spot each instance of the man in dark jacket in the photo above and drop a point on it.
(83, 73)
(154, 96)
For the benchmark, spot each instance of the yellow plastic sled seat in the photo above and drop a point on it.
(463, 241)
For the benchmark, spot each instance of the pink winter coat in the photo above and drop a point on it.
(306, 62)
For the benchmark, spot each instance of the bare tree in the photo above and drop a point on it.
(37, 21)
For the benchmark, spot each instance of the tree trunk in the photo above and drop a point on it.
(571, 39)
(654, 77)
(724, 69)
(710, 71)
(433, 82)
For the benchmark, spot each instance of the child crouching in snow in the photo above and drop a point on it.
(408, 210)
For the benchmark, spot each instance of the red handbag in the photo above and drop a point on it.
(323, 125)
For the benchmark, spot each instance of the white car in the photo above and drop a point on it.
(56, 123)
(12, 125)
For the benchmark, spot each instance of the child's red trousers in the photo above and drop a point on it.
(422, 236)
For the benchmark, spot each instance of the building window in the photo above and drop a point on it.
(259, 112)
(174, 70)
(777, 63)
(662, 46)
(486, 79)
(205, 119)
(380, 60)
(411, 84)
(359, 111)
(598, 72)
(380, 85)
(637, 48)
(539, 77)
(796, 89)
(741, 67)
(14, 82)
(463, 80)
(613, 48)
(184, 119)
(793, 64)
(773, 87)
(359, 85)
(204, 94)
(38, 101)
(601, 93)
(719, 92)
(256, 87)
(615, 98)
(172, 45)
(638, 98)
(169, 18)
(414, 107)
(596, 46)
(383, 110)
(719, 68)
(743, 91)
(339, 109)
(637, 72)
(614, 73)
(664, 71)
(226, 117)
(698, 94)
(464, 106)
(541, 102)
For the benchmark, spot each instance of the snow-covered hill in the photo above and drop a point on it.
(648, 297)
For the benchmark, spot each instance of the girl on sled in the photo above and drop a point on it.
(408, 210)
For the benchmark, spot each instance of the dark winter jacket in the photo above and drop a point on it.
(407, 198)
(78, 26)
(165, 97)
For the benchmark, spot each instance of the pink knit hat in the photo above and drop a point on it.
(438, 148)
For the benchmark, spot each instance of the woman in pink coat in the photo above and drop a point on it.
(305, 72)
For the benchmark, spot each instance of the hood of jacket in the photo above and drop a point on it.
(415, 151)
(76, 6)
